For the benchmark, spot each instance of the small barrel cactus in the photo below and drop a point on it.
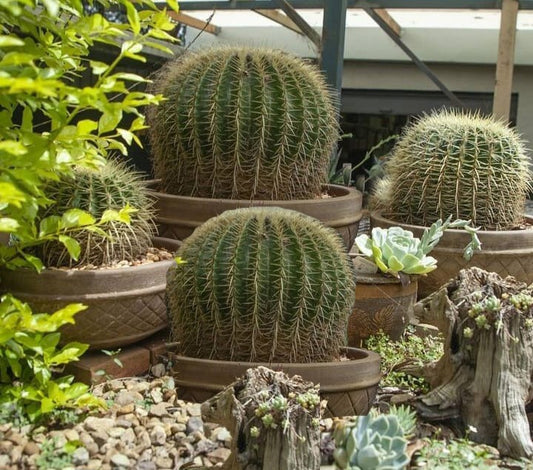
(242, 124)
(456, 164)
(113, 186)
(261, 284)
(371, 443)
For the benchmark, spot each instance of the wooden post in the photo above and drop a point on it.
(504, 67)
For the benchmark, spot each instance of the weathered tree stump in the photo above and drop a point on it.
(486, 371)
(273, 419)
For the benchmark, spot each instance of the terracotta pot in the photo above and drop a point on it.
(178, 216)
(506, 252)
(349, 386)
(381, 303)
(126, 305)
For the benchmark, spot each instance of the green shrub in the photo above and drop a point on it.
(456, 164)
(45, 134)
(262, 284)
(111, 187)
(242, 123)
(29, 355)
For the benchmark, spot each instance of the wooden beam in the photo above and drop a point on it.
(421, 65)
(306, 4)
(384, 15)
(501, 106)
(280, 18)
(194, 22)
(301, 23)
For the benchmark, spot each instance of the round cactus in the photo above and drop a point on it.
(111, 187)
(242, 124)
(458, 164)
(262, 284)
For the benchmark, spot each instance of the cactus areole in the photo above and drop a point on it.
(241, 123)
(261, 284)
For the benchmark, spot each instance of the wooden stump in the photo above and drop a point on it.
(273, 419)
(486, 370)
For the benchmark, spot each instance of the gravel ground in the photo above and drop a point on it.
(146, 427)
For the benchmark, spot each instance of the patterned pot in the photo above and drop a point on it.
(382, 303)
(125, 305)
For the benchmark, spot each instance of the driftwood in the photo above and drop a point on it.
(287, 440)
(486, 371)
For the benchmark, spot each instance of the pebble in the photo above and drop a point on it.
(146, 427)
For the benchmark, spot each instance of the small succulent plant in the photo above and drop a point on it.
(395, 250)
(113, 186)
(371, 442)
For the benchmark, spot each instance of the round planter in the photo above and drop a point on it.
(506, 252)
(178, 216)
(382, 303)
(349, 386)
(125, 305)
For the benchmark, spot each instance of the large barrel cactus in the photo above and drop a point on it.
(459, 164)
(242, 124)
(111, 187)
(261, 284)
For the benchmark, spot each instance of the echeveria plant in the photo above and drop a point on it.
(397, 251)
(371, 443)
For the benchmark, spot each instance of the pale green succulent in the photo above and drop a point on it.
(371, 443)
(395, 250)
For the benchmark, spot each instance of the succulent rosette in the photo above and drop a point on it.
(395, 250)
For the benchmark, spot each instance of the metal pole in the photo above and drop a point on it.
(333, 33)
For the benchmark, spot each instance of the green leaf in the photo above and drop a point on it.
(86, 126)
(66, 314)
(69, 353)
(133, 17)
(49, 225)
(76, 218)
(10, 41)
(174, 5)
(8, 225)
(109, 119)
(72, 246)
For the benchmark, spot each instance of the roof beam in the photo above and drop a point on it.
(380, 4)
(194, 22)
(301, 23)
(501, 106)
(423, 67)
(384, 15)
(280, 18)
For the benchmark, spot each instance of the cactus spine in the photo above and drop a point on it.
(458, 164)
(243, 124)
(111, 187)
(261, 284)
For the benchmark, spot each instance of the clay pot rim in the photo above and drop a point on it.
(338, 192)
(369, 376)
(493, 242)
(158, 242)
(368, 356)
(378, 216)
